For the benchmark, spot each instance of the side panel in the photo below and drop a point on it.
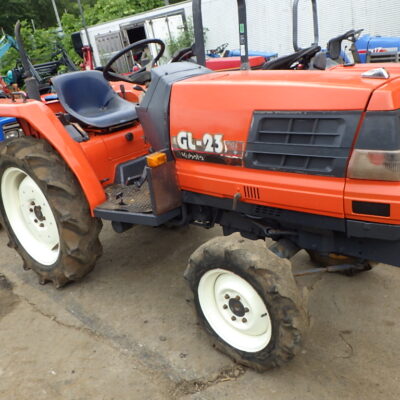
(373, 194)
(211, 121)
(305, 193)
(105, 152)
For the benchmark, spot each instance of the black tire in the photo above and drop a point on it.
(271, 277)
(323, 260)
(79, 246)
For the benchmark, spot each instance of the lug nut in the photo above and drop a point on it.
(31, 209)
(32, 203)
(35, 221)
(41, 225)
(237, 298)
(224, 306)
(227, 296)
(244, 320)
(246, 310)
(233, 318)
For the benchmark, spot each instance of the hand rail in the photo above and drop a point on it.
(199, 49)
(296, 24)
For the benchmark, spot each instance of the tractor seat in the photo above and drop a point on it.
(89, 99)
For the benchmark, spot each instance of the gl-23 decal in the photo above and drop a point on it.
(209, 143)
(210, 148)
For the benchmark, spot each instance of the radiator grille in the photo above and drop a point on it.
(264, 211)
(387, 56)
(309, 142)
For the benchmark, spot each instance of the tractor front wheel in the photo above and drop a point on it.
(247, 300)
(46, 213)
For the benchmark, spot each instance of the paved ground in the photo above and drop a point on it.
(128, 331)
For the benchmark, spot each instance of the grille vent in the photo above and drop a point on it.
(263, 211)
(305, 142)
(251, 192)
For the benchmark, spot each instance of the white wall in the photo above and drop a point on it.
(270, 21)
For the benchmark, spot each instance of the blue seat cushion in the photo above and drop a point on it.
(89, 99)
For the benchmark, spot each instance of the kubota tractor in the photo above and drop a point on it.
(307, 158)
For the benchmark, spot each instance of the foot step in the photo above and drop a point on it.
(128, 198)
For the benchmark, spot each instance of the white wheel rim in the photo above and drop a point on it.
(30, 216)
(224, 297)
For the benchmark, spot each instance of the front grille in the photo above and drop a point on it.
(387, 56)
(305, 142)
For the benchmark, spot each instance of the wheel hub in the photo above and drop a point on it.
(237, 307)
(34, 209)
(38, 213)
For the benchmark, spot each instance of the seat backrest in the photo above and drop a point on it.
(83, 90)
(335, 45)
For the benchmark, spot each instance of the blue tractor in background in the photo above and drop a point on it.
(364, 49)
(374, 49)
(9, 128)
(350, 47)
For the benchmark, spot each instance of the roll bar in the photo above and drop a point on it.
(199, 48)
(296, 24)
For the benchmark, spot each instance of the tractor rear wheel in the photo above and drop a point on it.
(247, 300)
(46, 213)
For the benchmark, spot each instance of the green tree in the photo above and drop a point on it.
(106, 10)
(41, 43)
(184, 39)
(40, 11)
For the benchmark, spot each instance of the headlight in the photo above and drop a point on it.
(12, 131)
(377, 165)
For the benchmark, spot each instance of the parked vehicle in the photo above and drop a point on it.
(376, 49)
(351, 47)
(9, 128)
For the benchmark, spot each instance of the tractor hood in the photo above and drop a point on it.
(282, 121)
(226, 102)
(338, 89)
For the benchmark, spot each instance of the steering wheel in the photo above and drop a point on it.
(286, 62)
(183, 54)
(138, 77)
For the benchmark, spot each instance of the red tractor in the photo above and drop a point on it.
(308, 158)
